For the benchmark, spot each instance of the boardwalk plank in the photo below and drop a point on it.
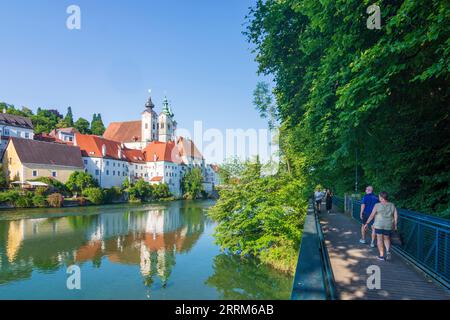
(350, 260)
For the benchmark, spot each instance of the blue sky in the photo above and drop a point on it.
(192, 50)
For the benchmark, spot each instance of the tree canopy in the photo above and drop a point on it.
(357, 104)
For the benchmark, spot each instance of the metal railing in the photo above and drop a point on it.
(313, 279)
(424, 239)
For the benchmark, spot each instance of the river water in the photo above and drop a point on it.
(151, 251)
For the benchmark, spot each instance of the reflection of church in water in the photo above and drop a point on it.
(149, 238)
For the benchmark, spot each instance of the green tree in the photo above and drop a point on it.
(192, 183)
(82, 125)
(94, 194)
(261, 216)
(3, 178)
(79, 180)
(161, 191)
(358, 102)
(97, 126)
(230, 169)
(68, 119)
(141, 190)
(45, 120)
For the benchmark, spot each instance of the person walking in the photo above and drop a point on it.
(318, 196)
(368, 202)
(328, 200)
(386, 217)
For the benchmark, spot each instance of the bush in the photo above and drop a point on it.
(9, 196)
(25, 200)
(95, 195)
(41, 191)
(161, 191)
(39, 201)
(55, 200)
(112, 194)
(140, 191)
(79, 181)
(3, 178)
(55, 185)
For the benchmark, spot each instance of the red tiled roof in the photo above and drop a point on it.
(158, 178)
(128, 131)
(134, 155)
(162, 151)
(187, 148)
(91, 146)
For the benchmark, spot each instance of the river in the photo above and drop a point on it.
(152, 251)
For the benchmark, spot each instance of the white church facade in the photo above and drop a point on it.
(144, 149)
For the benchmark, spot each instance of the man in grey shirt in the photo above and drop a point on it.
(318, 196)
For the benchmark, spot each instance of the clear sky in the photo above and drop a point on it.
(193, 50)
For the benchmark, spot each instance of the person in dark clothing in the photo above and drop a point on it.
(328, 200)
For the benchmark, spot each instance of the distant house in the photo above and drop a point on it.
(14, 126)
(212, 174)
(26, 159)
(64, 134)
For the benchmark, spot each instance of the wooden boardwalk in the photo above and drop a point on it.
(350, 260)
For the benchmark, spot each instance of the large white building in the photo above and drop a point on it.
(144, 149)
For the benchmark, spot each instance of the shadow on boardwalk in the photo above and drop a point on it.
(350, 260)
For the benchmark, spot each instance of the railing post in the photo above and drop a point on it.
(436, 252)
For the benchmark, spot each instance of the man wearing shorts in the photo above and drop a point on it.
(368, 202)
(318, 196)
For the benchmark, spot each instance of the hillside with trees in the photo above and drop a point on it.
(46, 120)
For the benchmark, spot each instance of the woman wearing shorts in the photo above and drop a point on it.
(385, 215)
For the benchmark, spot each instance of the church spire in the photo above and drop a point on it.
(149, 104)
(166, 108)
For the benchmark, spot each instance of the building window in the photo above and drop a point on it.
(107, 163)
(97, 172)
(70, 139)
(10, 160)
(35, 173)
(107, 172)
(114, 173)
(6, 132)
(54, 174)
(146, 126)
(85, 162)
(27, 135)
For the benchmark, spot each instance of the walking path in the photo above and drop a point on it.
(350, 260)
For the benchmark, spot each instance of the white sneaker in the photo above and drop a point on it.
(372, 245)
(362, 241)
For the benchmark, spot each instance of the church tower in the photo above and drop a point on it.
(167, 125)
(149, 123)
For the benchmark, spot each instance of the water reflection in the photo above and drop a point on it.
(158, 251)
(147, 237)
(238, 279)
